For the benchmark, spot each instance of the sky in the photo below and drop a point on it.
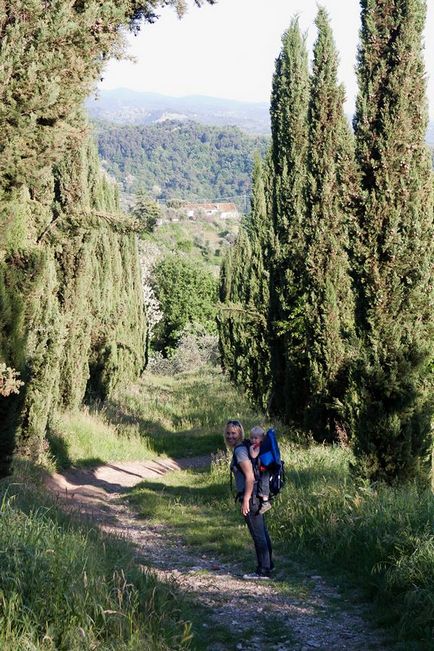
(229, 49)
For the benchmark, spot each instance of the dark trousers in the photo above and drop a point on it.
(261, 539)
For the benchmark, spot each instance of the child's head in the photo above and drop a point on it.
(257, 435)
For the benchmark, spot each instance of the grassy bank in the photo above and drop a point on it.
(177, 416)
(64, 586)
(380, 538)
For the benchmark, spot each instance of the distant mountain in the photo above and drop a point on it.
(124, 106)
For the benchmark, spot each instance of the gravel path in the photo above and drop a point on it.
(262, 615)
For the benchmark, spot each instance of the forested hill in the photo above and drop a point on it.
(182, 160)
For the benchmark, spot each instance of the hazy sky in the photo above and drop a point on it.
(228, 50)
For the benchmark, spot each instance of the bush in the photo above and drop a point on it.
(196, 348)
(187, 294)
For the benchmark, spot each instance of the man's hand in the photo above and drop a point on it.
(245, 506)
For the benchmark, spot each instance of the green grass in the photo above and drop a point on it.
(379, 538)
(382, 537)
(64, 586)
(198, 506)
(87, 438)
(184, 415)
(181, 416)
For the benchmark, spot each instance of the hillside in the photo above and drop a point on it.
(204, 240)
(180, 160)
(125, 106)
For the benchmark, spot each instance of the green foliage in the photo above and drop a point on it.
(378, 538)
(187, 294)
(393, 396)
(180, 160)
(244, 296)
(70, 290)
(146, 211)
(65, 586)
(289, 126)
(382, 537)
(330, 336)
(71, 302)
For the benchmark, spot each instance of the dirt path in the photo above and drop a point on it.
(261, 616)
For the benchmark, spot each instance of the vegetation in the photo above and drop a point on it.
(289, 128)
(349, 319)
(95, 435)
(186, 294)
(174, 415)
(380, 538)
(146, 211)
(9, 381)
(394, 289)
(244, 295)
(182, 160)
(71, 315)
(98, 597)
(203, 241)
(329, 315)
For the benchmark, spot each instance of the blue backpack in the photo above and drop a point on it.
(270, 459)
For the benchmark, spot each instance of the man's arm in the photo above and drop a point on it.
(247, 470)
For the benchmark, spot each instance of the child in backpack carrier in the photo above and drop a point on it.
(257, 435)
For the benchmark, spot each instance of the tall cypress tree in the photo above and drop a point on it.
(395, 289)
(232, 320)
(289, 108)
(261, 239)
(244, 292)
(329, 296)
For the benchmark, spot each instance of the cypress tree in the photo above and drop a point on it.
(257, 275)
(289, 127)
(233, 316)
(70, 292)
(395, 256)
(244, 294)
(329, 296)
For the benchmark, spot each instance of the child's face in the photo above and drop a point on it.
(256, 439)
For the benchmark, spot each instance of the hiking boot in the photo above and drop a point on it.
(255, 576)
(265, 506)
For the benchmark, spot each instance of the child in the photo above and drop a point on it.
(257, 435)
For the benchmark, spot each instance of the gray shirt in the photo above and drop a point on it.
(240, 454)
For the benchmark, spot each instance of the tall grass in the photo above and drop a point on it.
(382, 536)
(66, 587)
(183, 415)
(178, 416)
(87, 437)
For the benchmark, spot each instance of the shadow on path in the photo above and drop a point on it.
(92, 488)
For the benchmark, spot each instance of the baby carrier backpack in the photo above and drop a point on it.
(269, 459)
